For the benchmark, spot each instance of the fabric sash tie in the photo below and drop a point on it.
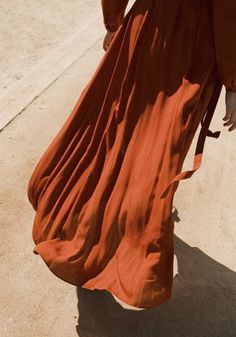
(205, 122)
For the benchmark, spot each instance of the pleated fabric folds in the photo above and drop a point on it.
(100, 220)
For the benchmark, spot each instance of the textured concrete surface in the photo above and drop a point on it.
(36, 303)
(30, 29)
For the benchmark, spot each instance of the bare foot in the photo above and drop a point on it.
(125, 305)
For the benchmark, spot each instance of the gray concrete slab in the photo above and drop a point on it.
(33, 301)
(29, 30)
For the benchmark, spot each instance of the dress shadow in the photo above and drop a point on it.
(203, 303)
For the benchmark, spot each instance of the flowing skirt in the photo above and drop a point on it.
(102, 221)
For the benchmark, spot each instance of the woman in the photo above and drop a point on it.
(103, 189)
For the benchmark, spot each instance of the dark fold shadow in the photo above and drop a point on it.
(203, 304)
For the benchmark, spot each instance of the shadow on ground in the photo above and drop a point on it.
(202, 304)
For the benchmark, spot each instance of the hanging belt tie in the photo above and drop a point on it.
(205, 122)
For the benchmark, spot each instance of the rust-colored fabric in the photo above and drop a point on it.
(113, 13)
(225, 40)
(103, 190)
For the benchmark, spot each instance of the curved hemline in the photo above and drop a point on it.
(167, 298)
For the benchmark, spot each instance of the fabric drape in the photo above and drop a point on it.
(103, 190)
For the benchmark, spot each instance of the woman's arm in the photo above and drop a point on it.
(225, 43)
(113, 13)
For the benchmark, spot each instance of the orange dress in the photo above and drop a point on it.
(103, 189)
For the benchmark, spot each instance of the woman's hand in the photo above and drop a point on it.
(230, 116)
(107, 39)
